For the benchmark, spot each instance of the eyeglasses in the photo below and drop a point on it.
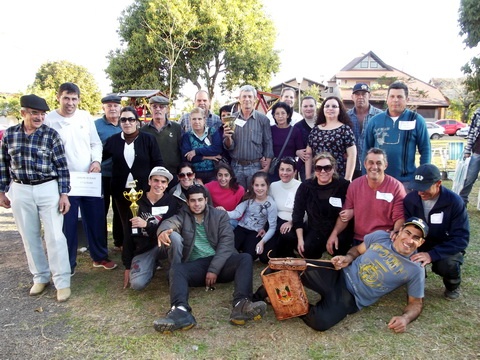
(36, 113)
(326, 168)
(184, 175)
(125, 119)
(331, 106)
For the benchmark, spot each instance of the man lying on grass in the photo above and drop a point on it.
(366, 273)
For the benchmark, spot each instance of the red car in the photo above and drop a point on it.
(451, 126)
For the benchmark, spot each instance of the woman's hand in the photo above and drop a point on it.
(286, 227)
(189, 155)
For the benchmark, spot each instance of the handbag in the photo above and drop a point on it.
(276, 160)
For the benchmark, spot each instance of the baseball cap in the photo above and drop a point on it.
(161, 171)
(425, 176)
(419, 223)
(360, 87)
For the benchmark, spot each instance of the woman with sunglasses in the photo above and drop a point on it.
(202, 146)
(186, 178)
(226, 192)
(321, 199)
(283, 193)
(133, 154)
(284, 136)
(333, 133)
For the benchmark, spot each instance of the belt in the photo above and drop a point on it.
(247, 162)
(33, 182)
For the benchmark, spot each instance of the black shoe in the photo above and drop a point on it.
(176, 319)
(247, 310)
(451, 295)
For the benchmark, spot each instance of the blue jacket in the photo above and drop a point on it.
(450, 232)
(399, 140)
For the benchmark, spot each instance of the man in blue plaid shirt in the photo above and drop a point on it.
(33, 169)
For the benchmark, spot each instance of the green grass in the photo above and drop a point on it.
(109, 322)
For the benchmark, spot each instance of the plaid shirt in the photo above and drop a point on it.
(33, 157)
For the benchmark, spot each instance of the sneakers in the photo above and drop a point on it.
(107, 264)
(246, 310)
(63, 294)
(38, 288)
(451, 295)
(176, 319)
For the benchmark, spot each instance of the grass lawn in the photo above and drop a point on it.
(109, 322)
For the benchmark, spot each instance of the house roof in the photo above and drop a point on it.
(139, 93)
(420, 92)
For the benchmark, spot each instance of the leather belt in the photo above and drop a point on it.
(33, 182)
(247, 162)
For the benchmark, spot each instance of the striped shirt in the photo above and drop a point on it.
(253, 140)
(201, 246)
(32, 157)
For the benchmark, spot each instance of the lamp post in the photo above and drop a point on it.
(299, 80)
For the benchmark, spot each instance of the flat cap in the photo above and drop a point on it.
(34, 102)
(158, 100)
(112, 99)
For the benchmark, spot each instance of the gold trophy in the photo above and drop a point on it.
(133, 196)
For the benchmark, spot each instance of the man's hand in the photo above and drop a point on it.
(63, 204)
(4, 201)
(398, 324)
(95, 167)
(164, 238)
(210, 279)
(300, 246)
(138, 222)
(346, 215)
(421, 257)
(126, 278)
(331, 243)
(341, 262)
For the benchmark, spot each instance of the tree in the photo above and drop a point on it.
(51, 75)
(462, 101)
(207, 42)
(469, 21)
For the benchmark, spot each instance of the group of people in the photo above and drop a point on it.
(220, 191)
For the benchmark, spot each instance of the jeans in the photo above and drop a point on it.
(244, 173)
(238, 268)
(93, 219)
(117, 229)
(472, 175)
(143, 267)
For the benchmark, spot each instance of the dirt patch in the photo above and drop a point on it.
(30, 327)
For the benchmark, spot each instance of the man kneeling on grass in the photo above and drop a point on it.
(208, 256)
(367, 272)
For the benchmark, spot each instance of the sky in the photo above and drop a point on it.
(315, 38)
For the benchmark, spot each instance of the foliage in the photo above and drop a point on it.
(10, 105)
(208, 43)
(51, 75)
(469, 21)
(314, 91)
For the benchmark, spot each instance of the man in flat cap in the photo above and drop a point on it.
(361, 112)
(83, 149)
(107, 126)
(446, 215)
(167, 133)
(202, 101)
(33, 169)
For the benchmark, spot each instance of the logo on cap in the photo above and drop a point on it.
(419, 177)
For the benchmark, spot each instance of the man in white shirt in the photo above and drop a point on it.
(287, 96)
(83, 149)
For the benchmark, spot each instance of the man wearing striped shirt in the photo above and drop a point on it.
(33, 169)
(250, 143)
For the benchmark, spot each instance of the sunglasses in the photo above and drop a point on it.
(326, 168)
(184, 175)
(125, 119)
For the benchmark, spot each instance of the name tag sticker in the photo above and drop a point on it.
(335, 202)
(407, 125)
(388, 197)
(436, 218)
(159, 210)
(240, 122)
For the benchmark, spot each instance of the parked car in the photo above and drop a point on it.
(463, 132)
(451, 126)
(435, 131)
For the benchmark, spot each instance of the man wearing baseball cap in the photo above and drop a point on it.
(361, 112)
(141, 251)
(446, 215)
(34, 172)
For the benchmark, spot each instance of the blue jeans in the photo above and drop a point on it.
(244, 173)
(237, 268)
(143, 267)
(93, 219)
(472, 175)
